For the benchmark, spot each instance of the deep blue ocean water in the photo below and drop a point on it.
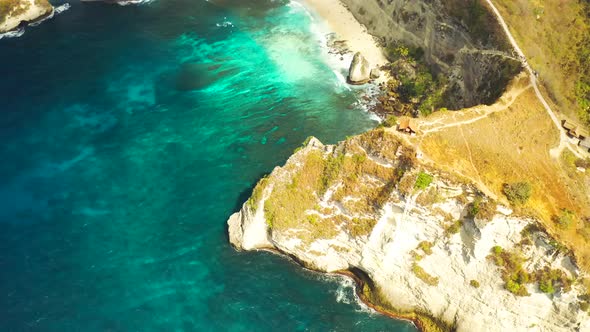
(128, 136)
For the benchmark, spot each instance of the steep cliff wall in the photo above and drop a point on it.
(368, 206)
(460, 39)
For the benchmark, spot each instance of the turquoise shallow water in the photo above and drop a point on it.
(128, 137)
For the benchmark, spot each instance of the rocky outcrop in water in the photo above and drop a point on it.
(360, 70)
(458, 39)
(14, 13)
(368, 206)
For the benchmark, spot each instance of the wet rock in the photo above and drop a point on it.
(360, 70)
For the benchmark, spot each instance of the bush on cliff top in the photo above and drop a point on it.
(423, 181)
(517, 193)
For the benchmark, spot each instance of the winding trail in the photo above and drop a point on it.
(555, 152)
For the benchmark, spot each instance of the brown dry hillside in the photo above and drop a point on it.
(509, 142)
(555, 36)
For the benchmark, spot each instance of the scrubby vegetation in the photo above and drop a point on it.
(423, 181)
(352, 177)
(413, 89)
(12, 8)
(479, 21)
(553, 280)
(390, 122)
(564, 219)
(514, 275)
(454, 228)
(474, 283)
(423, 275)
(517, 193)
(426, 247)
(584, 302)
(481, 208)
(580, 60)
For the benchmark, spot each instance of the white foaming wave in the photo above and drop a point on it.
(56, 11)
(319, 28)
(346, 292)
(300, 6)
(225, 24)
(133, 2)
(13, 33)
(62, 8)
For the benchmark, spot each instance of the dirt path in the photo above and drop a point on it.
(563, 143)
(507, 100)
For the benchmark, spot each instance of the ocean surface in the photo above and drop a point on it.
(128, 136)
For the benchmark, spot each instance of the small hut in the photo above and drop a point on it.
(585, 144)
(568, 125)
(581, 133)
(407, 125)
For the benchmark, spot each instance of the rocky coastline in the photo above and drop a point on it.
(414, 250)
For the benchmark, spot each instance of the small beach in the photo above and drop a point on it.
(341, 21)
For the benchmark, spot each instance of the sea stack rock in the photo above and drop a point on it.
(17, 12)
(360, 70)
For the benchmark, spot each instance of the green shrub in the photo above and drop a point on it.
(518, 193)
(454, 228)
(565, 219)
(423, 181)
(515, 277)
(313, 218)
(423, 275)
(474, 283)
(481, 209)
(552, 280)
(426, 247)
(391, 121)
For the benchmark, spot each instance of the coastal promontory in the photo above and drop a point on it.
(14, 13)
(424, 245)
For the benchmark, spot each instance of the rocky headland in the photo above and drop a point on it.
(424, 245)
(14, 13)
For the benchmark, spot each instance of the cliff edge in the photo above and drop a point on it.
(423, 244)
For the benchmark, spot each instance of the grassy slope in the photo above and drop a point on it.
(555, 36)
(512, 145)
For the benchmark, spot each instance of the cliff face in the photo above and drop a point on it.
(15, 12)
(460, 40)
(367, 205)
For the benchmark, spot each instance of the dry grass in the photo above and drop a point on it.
(511, 145)
(549, 33)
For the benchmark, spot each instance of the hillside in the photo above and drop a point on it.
(555, 36)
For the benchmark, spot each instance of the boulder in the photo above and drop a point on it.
(360, 70)
(375, 73)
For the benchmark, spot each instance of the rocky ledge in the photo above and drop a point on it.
(14, 13)
(427, 248)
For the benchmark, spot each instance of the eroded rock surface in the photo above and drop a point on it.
(368, 205)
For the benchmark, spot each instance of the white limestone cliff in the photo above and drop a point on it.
(387, 253)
